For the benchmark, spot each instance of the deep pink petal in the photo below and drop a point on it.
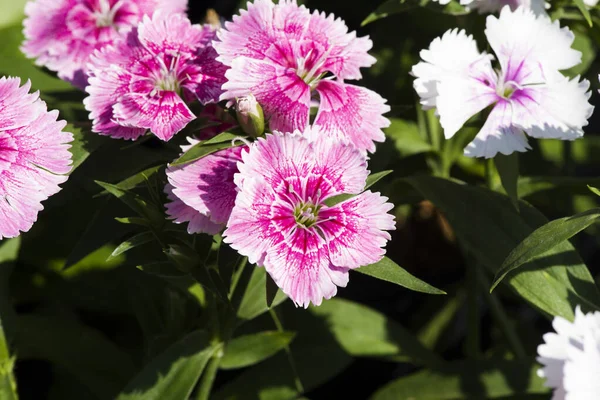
(355, 230)
(164, 114)
(181, 213)
(206, 185)
(299, 265)
(351, 113)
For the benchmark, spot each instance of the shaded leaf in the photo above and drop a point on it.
(544, 239)
(84, 352)
(220, 142)
(248, 350)
(135, 202)
(271, 290)
(472, 379)
(508, 169)
(84, 143)
(132, 242)
(363, 332)
(391, 7)
(9, 251)
(174, 373)
(584, 11)
(389, 271)
(531, 185)
(406, 137)
(490, 227)
(254, 302)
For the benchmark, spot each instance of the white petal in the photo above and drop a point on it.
(521, 36)
(498, 135)
(556, 110)
(460, 98)
(452, 54)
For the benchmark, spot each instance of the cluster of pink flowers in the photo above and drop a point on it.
(143, 65)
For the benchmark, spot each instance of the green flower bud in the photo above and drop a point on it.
(250, 115)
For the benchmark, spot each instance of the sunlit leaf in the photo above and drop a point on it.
(247, 350)
(222, 141)
(389, 271)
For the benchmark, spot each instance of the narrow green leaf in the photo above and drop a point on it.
(135, 202)
(389, 271)
(469, 379)
(271, 290)
(9, 251)
(390, 7)
(84, 143)
(594, 190)
(584, 11)
(543, 239)
(371, 180)
(248, 350)
(221, 141)
(489, 227)
(86, 353)
(508, 169)
(254, 301)
(531, 185)
(132, 242)
(133, 221)
(137, 179)
(174, 373)
(364, 332)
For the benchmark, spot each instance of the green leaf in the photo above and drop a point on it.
(508, 169)
(544, 239)
(407, 138)
(12, 12)
(371, 180)
(248, 350)
(594, 190)
(132, 242)
(531, 185)
(135, 202)
(389, 271)
(469, 379)
(84, 143)
(584, 11)
(88, 356)
(271, 290)
(133, 221)
(391, 7)
(174, 373)
(140, 178)
(585, 45)
(254, 301)
(488, 225)
(9, 251)
(221, 141)
(363, 332)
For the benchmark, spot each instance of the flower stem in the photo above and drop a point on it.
(291, 361)
(208, 377)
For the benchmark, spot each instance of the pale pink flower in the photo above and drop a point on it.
(527, 94)
(144, 80)
(570, 357)
(34, 156)
(202, 192)
(285, 56)
(62, 34)
(280, 219)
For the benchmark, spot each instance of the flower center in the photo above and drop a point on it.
(309, 67)
(306, 214)
(168, 82)
(105, 16)
(507, 89)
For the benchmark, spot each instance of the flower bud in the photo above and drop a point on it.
(250, 115)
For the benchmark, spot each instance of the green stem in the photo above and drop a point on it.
(209, 375)
(291, 361)
(500, 315)
(473, 334)
(489, 173)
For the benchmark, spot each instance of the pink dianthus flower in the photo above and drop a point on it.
(62, 34)
(34, 156)
(280, 219)
(202, 192)
(285, 56)
(144, 80)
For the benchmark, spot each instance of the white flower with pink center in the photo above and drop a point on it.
(145, 80)
(287, 56)
(489, 6)
(527, 94)
(280, 219)
(34, 156)
(570, 357)
(62, 34)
